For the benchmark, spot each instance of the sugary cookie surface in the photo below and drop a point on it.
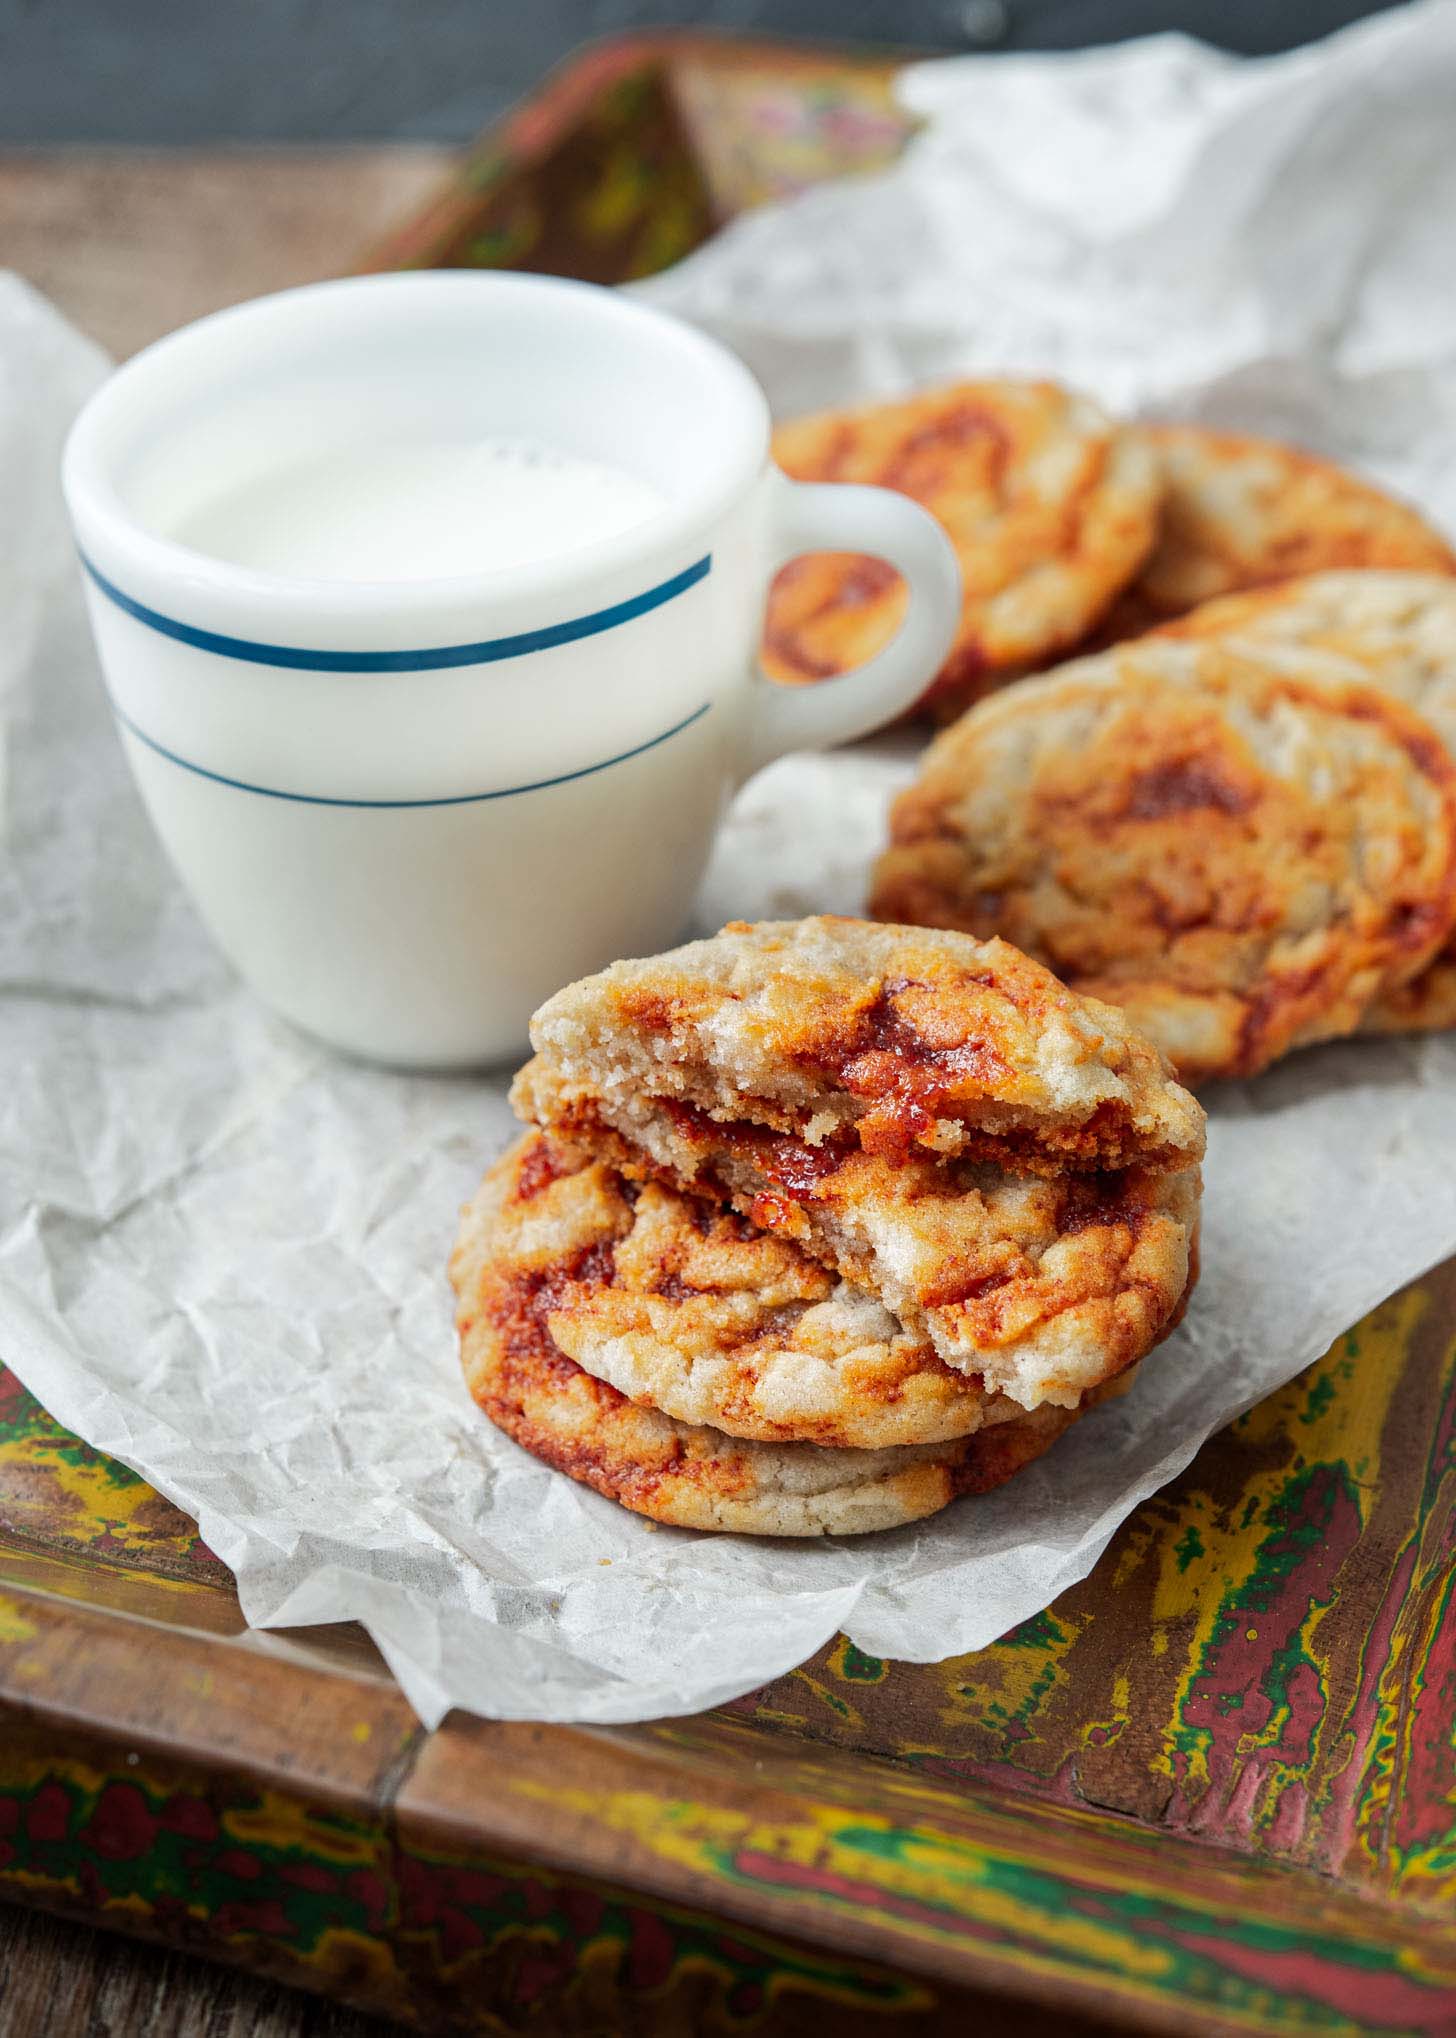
(1398, 630)
(684, 1305)
(1239, 512)
(1241, 858)
(1034, 1287)
(911, 1038)
(513, 1274)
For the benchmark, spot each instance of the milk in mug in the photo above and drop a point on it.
(391, 510)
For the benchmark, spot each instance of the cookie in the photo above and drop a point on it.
(1005, 1168)
(905, 1038)
(1240, 512)
(1050, 506)
(510, 1283)
(1034, 1287)
(685, 1306)
(1242, 857)
(1398, 630)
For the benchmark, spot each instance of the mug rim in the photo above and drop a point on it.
(93, 499)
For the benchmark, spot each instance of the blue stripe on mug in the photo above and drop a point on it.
(438, 659)
(508, 792)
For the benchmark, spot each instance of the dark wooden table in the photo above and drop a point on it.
(59, 1980)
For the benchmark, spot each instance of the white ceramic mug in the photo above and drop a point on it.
(410, 810)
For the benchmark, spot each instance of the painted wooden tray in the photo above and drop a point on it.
(1213, 1788)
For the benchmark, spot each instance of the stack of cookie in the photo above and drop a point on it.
(1073, 531)
(820, 1224)
(1240, 828)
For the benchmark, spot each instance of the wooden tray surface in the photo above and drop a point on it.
(1213, 1787)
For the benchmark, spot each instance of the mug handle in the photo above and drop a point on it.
(839, 517)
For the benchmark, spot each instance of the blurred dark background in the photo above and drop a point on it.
(207, 71)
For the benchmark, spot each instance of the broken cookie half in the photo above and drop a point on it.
(824, 1188)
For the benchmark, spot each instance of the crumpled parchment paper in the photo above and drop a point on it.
(222, 1249)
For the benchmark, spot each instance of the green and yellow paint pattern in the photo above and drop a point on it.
(1266, 1658)
(364, 1915)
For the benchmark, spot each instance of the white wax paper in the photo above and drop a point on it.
(222, 1249)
